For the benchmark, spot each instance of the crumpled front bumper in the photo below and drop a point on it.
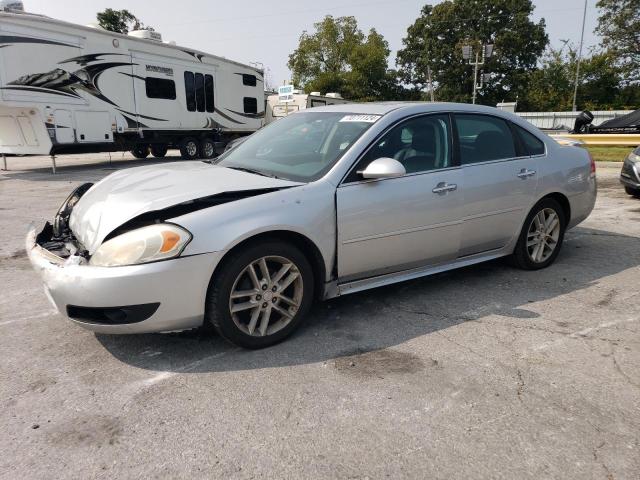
(179, 286)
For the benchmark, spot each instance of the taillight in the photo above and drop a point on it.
(593, 164)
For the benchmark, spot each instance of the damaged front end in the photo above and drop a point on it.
(58, 239)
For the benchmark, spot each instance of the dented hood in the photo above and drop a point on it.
(125, 194)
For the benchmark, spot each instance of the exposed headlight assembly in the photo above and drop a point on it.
(143, 245)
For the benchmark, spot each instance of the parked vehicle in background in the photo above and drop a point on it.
(630, 174)
(325, 202)
(276, 108)
(67, 88)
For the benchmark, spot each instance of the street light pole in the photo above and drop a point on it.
(475, 78)
(575, 88)
(467, 53)
(430, 81)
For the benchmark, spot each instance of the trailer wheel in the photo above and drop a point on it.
(189, 148)
(159, 151)
(140, 151)
(208, 148)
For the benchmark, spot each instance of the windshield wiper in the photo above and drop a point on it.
(251, 170)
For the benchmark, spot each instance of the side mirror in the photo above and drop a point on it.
(383, 168)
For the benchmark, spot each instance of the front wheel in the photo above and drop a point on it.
(189, 149)
(541, 236)
(260, 295)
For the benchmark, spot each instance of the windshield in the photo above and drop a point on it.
(300, 147)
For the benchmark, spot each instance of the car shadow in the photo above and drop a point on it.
(388, 316)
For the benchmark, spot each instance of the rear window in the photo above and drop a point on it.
(483, 138)
(531, 144)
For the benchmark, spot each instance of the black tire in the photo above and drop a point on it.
(207, 149)
(140, 151)
(159, 151)
(521, 257)
(634, 192)
(190, 148)
(217, 308)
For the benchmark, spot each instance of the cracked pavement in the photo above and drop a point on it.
(484, 372)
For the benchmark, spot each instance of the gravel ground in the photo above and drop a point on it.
(485, 372)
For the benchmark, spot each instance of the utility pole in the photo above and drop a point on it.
(430, 84)
(575, 89)
(467, 53)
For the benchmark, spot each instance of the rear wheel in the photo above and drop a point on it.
(541, 237)
(140, 151)
(632, 191)
(260, 295)
(208, 148)
(189, 148)
(159, 151)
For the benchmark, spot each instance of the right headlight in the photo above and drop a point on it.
(143, 245)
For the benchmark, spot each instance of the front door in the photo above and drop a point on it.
(500, 182)
(393, 224)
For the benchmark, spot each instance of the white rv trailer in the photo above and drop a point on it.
(67, 88)
(276, 109)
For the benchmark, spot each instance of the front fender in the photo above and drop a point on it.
(308, 210)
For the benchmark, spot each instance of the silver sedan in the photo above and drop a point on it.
(322, 203)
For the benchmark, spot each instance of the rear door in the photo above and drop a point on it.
(500, 182)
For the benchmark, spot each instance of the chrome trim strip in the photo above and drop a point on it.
(490, 214)
(402, 232)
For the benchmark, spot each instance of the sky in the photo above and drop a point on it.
(267, 32)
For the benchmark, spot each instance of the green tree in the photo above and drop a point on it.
(339, 57)
(120, 21)
(599, 88)
(435, 41)
(619, 26)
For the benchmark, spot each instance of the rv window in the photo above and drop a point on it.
(160, 88)
(250, 105)
(249, 80)
(200, 92)
(318, 103)
(208, 90)
(190, 91)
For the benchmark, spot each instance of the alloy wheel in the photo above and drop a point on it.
(266, 296)
(543, 235)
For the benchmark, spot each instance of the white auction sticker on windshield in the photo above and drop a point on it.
(360, 118)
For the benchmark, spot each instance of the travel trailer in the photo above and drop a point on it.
(67, 88)
(276, 108)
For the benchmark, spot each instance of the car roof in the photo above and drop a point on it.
(412, 108)
(382, 108)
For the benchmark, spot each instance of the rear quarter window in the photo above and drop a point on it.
(532, 144)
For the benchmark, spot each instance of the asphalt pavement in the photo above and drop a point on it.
(484, 372)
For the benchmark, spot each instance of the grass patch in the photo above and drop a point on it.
(609, 154)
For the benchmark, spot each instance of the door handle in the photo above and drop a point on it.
(526, 173)
(444, 187)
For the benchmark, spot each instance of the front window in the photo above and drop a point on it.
(301, 147)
